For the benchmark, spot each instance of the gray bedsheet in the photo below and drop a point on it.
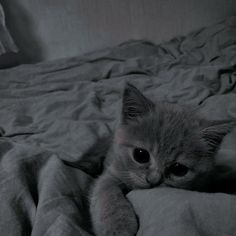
(55, 112)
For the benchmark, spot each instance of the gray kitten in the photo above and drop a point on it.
(154, 145)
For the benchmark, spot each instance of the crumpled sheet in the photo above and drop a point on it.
(53, 113)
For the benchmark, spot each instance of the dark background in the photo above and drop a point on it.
(48, 29)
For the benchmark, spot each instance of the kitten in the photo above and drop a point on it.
(154, 145)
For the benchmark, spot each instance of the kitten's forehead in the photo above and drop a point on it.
(175, 126)
(167, 127)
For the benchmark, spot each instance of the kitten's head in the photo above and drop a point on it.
(164, 144)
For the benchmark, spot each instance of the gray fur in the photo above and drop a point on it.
(170, 133)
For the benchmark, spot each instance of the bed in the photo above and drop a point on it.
(54, 113)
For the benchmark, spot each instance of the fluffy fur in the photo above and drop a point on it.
(170, 134)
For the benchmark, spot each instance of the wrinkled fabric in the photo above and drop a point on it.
(55, 112)
(8, 49)
(6, 42)
(166, 211)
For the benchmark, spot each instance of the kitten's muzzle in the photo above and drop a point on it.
(154, 179)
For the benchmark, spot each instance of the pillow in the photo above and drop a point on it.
(8, 49)
(169, 211)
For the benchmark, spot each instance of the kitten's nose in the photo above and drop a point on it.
(154, 179)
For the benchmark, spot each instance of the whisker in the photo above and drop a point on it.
(138, 178)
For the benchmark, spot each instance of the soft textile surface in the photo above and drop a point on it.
(166, 211)
(8, 48)
(55, 112)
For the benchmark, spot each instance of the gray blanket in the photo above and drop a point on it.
(54, 113)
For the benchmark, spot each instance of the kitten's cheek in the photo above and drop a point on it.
(120, 137)
(184, 183)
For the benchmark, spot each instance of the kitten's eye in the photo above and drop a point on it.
(141, 155)
(178, 169)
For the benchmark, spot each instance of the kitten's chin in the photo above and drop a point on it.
(133, 185)
(144, 186)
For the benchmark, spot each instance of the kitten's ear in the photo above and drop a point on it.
(214, 133)
(135, 104)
